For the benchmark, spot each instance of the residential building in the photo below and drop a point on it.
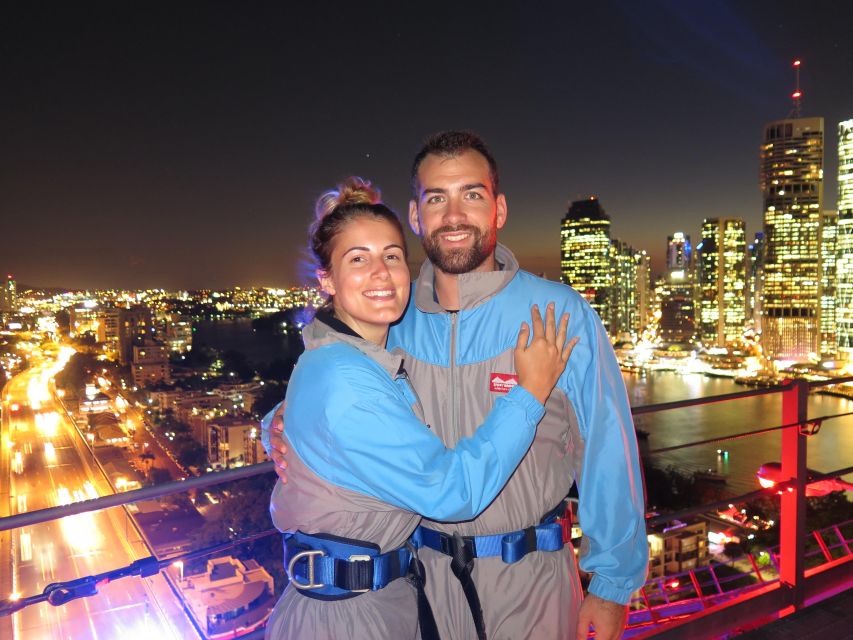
(677, 548)
(150, 364)
(234, 441)
(230, 599)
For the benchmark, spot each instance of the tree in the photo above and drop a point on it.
(80, 369)
(191, 454)
(271, 395)
(63, 322)
(244, 511)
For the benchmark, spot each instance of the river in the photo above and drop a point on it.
(830, 449)
(259, 347)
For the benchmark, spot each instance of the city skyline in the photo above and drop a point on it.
(183, 147)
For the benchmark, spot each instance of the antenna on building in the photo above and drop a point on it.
(798, 94)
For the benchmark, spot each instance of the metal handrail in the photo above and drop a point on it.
(745, 434)
(723, 397)
(135, 495)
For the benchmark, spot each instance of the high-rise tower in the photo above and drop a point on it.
(755, 279)
(679, 256)
(8, 295)
(624, 303)
(792, 193)
(721, 276)
(677, 307)
(828, 273)
(585, 254)
(844, 247)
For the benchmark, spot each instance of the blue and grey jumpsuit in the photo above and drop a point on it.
(461, 365)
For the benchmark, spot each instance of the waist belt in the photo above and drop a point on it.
(550, 535)
(511, 547)
(333, 568)
(327, 567)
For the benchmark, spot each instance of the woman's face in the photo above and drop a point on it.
(368, 277)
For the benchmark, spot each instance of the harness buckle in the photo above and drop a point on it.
(358, 557)
(310, 554)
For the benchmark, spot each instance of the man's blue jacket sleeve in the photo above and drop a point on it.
(611, 506)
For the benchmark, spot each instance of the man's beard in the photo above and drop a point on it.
(458, 261)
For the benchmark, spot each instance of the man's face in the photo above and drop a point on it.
(456, 214)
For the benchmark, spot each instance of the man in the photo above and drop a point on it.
(457, 338)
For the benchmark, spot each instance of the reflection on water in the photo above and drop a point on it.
(259, 347)
(830, 449)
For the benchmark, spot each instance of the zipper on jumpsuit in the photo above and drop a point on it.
(454, 430)
(462, 562)
(403, 375)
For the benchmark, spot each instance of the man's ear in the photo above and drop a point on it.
(414, 220)
(326, 283)
(501, 214)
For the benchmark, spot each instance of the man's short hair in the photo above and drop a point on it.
(449, 144)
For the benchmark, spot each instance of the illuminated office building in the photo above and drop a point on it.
(676, 292)
(645, 294)
(828, 249)
(721, 281)
(624, 302)
(585, 254)
(792, 193)
(679, 256)
(8, 296)
(844, 247)
(755, 281)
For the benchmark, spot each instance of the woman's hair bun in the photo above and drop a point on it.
(352, 191)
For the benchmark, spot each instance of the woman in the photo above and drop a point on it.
(364, 466)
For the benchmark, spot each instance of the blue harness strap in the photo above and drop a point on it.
(331, 568)
(511, 547)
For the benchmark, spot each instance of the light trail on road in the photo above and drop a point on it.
(47, 469)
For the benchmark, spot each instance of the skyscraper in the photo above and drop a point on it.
(8, 295)
(676, 292)
(585, 254)
(844, 246)
(721, 281)
(645, 294)
(679, 256)
(755, 281)
(623, 295)
(828, 253)
(792, 193)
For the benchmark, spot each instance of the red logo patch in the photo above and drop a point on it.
(502, 382)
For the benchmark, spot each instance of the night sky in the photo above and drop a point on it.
(182, 144)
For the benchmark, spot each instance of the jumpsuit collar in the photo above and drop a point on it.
(322, 330)
(474, 288)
